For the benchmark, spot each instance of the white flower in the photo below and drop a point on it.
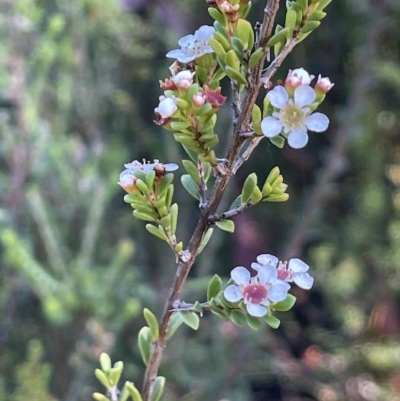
(166, 107)
(294, 117)
(258, 291)
(294, 271)
(183, 79)
(193, 46)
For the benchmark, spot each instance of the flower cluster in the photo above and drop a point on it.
(292, 108)
(269, 285)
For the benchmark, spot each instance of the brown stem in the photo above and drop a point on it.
(241, 124)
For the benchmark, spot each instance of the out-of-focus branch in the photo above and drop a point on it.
(362, 78)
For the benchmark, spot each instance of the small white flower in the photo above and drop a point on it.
(294, 117)
(294, 271)
(166, 107)
(258, 291)
(193, 46)
(183, 79)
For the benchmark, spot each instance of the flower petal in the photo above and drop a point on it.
(304, 95)
(267, 259)
(303, 280)
(317, 122)
(204, 32)
(256, 310)
(271, 127)
(297, 265)
(278, 97)
(278, 291)
(186, 40)
(297, 139)
(232, 293)
(180, 55)
(267, 274)
(171, 167)
(240, 275)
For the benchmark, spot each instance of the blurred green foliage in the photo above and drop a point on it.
(78, 85)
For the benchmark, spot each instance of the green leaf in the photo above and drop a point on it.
(316, 16)
(290, 21)
(205, 240)
(150, 178)
(277, 198)
(142, 186)
(105, 362)
(100, 397)
(272, 321)
(236, 75)
(191, 319)
(253, 322)
(278, 37)
(217, 47)
(310, 26)
(256, 196)
(156, 231)
(158, 388)
(145, 340)
(220, 28)
(175, 321)
(238, 317)
(152, 322)
(102, 378)
(248, 187)
(190, 186)
(192, 170)
(226, 225)
(124, 394)
(214, 287)
(278, 141)
(223, 40)
(115, 372)
(273, 175)
(256, 57)
(236, 203)
(174, 217)
(238, 46)
(164, 184)
(322, 4)
(190, 153)
(286, 304)
(303, 4)
(181, 125)
(214, 13)
(133, 391)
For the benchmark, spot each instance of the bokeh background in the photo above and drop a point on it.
(78, 86)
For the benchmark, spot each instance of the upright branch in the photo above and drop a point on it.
(189, 106)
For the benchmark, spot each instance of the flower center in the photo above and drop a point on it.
(197, 47)
(292, 117)
(255, 293)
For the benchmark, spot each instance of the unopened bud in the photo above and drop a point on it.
(297, 77)
(183, 79)
(323, 85)
(198, 99)
(166, 107)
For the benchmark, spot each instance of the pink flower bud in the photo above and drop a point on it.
(166, 107)
(198, 99)
(183, 79)
(128, 182)
(323, 85)
(297, 77)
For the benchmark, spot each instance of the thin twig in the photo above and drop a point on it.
(202, 186)
(230, 213)
(246, 154)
